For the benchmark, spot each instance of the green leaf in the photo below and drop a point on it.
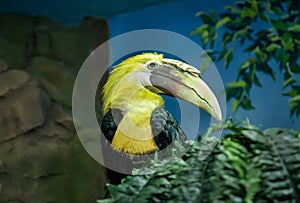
(287, 41)
(200, 30)
(263, 16)
(289, 81)
(294, 28)
(204, 38)
(285, 57)
(295, 68)
(234, 105)
(238, 84)
(272, 47)
(246, 165)
(266, 69)
(262, 56)
(290, 93)
(232, 92)
(276, 43)
(246, 103)
(253, 5)
(248, 12)
(227, 37)
(205, 64)
(295, 133)
(212, 35)
(256, 81)
(269, 7)
(243, 67)
(222, 22)
(228, 57)
(279, 25)
(222, 54)
(295, 100)
(275, 39)
(241, 33)
(245, 64)
(206, 18)
(214, 14)
(209, 53)
(236, 24)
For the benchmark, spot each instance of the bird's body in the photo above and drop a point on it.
(162, 123)
(135, 122)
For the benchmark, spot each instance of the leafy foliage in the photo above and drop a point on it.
(269, 30)
(247, 165)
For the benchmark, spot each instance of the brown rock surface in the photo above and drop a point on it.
(3, 65)
(55, 77)
(24, 37)
(41, 158)
(15, 35)
(12, 80)
(24, 108)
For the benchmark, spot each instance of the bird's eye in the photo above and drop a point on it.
(152, 65)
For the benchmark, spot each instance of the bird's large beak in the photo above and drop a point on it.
(181, 80)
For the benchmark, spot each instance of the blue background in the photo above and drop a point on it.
(271, 108)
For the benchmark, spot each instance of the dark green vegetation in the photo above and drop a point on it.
(269, 30)
(247, 165)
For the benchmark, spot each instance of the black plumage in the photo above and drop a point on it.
(110, 123)
(165, 130)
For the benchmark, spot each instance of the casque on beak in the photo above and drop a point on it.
(178, 79)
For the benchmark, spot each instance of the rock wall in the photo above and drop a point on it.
(41, 158)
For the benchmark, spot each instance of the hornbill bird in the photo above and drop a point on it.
(135, 122)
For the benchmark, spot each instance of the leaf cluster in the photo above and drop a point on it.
(247, 165)
(269, 30)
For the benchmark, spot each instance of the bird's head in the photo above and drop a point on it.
(137, 81)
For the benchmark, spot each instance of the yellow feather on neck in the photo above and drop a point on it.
(134, 133)
(113, 87)
(134, 138)
(124, 91)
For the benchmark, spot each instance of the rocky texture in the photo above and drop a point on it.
(24, 37)
(12, 80)
(3, 66)
(51, 52)
(41, 158)
(22, 105)
(56, 78)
